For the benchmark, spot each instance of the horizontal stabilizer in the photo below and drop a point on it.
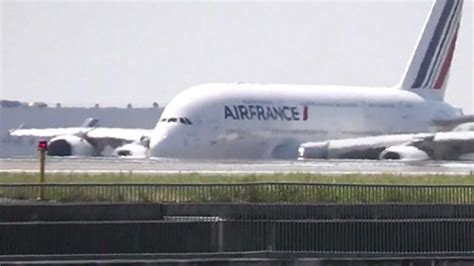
(454, 121)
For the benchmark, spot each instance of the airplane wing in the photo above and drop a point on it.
(127, 134)
(354, 148)
(47, 132)
(87, 125)
(437, 146)
(91, 140)
(89, 129)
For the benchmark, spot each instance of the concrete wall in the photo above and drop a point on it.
(35, 117)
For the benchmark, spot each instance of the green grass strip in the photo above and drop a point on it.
(8, 178)
(291, 188)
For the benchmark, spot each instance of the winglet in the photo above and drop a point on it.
(90, 122)
(18, 128)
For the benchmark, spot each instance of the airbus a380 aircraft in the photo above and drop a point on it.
(273, 121)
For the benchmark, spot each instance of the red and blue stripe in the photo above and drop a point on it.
(436, 62)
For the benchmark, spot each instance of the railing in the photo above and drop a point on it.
(239, 193)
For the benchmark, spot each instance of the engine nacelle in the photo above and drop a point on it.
(132, 150)
(70, 145)
(402, 152)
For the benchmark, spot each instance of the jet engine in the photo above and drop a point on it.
(131, 150)
(135, 149)
(70, 145)
(403, 152)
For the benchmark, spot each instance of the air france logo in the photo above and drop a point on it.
(265, 112)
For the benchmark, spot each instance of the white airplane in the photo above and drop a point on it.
(273, 121)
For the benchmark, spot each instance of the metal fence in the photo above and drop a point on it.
(239, 193)
(357, 237)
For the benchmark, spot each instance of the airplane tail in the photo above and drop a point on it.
(428, 71)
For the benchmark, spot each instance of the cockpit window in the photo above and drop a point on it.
(182, 120)
(185, 120)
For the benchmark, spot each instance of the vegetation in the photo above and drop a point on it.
(394, 179)
(296, 188)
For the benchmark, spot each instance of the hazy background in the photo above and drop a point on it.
(113, 53)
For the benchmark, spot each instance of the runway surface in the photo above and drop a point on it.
(169, 166)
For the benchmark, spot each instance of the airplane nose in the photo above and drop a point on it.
(169, 145)
(161, 147)
(174, 142)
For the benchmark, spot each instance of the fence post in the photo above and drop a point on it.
(220, 235)
(42, 148)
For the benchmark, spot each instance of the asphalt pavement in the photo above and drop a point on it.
(167, 166)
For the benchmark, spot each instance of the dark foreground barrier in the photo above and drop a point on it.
(81, 212)
(328, 211)
(265, 258)
(245, 192)
(217, 221)
(356, 237)
(228, 211)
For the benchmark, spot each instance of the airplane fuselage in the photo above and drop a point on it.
(271, 121)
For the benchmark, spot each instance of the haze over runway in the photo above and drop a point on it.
(114, 53)
(234, 167)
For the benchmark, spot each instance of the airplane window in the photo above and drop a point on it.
(163, 120)
(182, 120)
(172, 120)
(188, 121)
